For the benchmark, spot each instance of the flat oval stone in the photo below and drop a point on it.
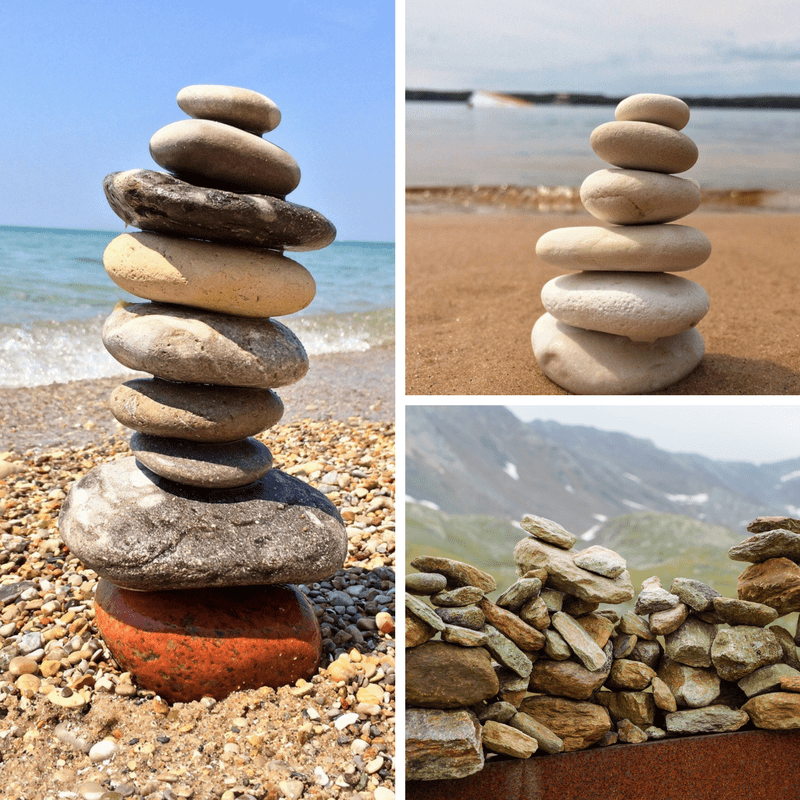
(156, 201)
(194, 346)
(242, 108)
(222, 465)
(642, 306)
(661, 109)
(233, 280)
(643, 248)
(192, 411)
(636, 197)
(644, 145)
(193, 643)
(223, 157)
(590, 362)
(143, 532)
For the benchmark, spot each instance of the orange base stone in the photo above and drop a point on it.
(191, 643)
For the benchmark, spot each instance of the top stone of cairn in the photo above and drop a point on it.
(662, 109)
(242, 108)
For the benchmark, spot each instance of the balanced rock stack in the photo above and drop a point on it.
(624, 325)
(197, 540)
(545, 670)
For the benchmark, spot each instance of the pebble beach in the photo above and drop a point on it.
(73, 724)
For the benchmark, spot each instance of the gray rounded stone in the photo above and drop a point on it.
(156, 201)
(196, 412)
(644, 145)
(142, 532)
(193, 346)
(214, 154)
(222, 465)
(242, 108)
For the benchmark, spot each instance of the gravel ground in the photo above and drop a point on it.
(72, 724)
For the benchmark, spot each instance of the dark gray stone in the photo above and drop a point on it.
(11, 592)
(215, 466)
(141, 531)
(155, 201)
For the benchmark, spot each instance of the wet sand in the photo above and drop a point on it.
(472, 296)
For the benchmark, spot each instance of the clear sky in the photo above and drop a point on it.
(686, 47)
(86, 84)
(760, 434)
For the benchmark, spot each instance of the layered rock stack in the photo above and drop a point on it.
(624, 325)
(197, 540)
(545, 670)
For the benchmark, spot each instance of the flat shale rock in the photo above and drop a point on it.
(547, 531)
(457, 572)
(692, 687)
(629, 675)
(519, 593)
(775, 543)
(548, 741)
(566, 576)
(711, 719)
(161, 203)
(466, 616)
(509, 624)
(567, 678)
(767, 679)
(457, 598)
(662, 696)
(143, 532)
(743, 612)
(601, 561)
(425, 583)
(466, 637)
(442, 675)
(761, 524)
(669, 620)
(417, 631)
(775, 711)
(507, 653)
(424, 613)
(638, 707)
(500, 738)
(635, 625)
(442, 745)
(578, 724)
(588, 653)
(775, 583)
(597, 626)
(738, 651)
(691, 643)
(697, 595)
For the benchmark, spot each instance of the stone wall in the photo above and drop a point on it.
(544, 669)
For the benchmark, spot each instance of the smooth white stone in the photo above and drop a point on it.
(643, 248)
(589, 362)
(642, 306)
(662, 109)
(644, 145)
(637, 197)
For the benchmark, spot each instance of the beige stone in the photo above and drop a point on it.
(691, 643)
(457, 572)
(775, 711)
(598, 627)
(417, 631)
(547, 531)
(601, 560)
(466, 637)
(458, 597)
(633, 624)
(535, 613)
(630, 733)
(690, 686)
(442, 745)
(191, 411)
(566, 679)
(743, 612)
(548, 741)
(767, 679)
(519, 593)
(638, 707)
(760, 524)
(669, 620)
(637, 197)
(588, 653)
(661, 109)
(243, 108)
(578, 724)
(774, 543)
(741, 650)
(630, 675)
(555, 647)
(500, 738)
(632, 144)
(592, 362)
(241, 281)
(662, 696)
(775, 583)
(220, 156)
(509, 624)
(711, 719)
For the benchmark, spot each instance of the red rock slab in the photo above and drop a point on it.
(189, 643)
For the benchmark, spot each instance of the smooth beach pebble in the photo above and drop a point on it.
(194, 411)
(221, 465)
(242, 108)
(637, 197)
(644, 145)
(158, 202)
(223, 157)
(189, 644)
(233, 280)
(641, 248)
(642, 306)
(143, 532)
(661, 109)
(194, 346)
(590, 362)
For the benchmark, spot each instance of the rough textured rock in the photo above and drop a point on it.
(660, 109)
(669, 620)
(578, 724)
(737, 652)
(630, 733)
(638, 707)
(598, 627)
(548, 741)
(161, 203)
(535, 613)
(776, 711)
(424, 613)
(466, 637)
(191, 643)
(221, 156)
(600, 560)
(712, 719)
(458, 597)
(691, 643)
(513, 686)
(499, 712)
(787, 643)
(690, 686)
(442, 675)
(507, 653)
(509, 624)
(566, 576)
(662, 696)
(624, 644)
(697, 595)
(629, 675)
(647, 652)
(243, 108)
(425, 583)
(417, 631)
(190, 411)
(568, 678)
(632, 623)
(633, 144)
(547, 531)
(214, 466)
(466, 616)
(742, 612)
(441, 745)
(588, 653)
(194, 346)
(775, 583)
(143, 532)
(457, 572)
(592, 362)
(555, 646)
(761, 524)
(653, 598)
(774, 543)
(500, 738)
(519, 593)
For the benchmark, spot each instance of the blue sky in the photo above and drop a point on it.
(86, 84)
(686, 47)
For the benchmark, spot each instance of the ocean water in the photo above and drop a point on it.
(55, 296)
(449, 144)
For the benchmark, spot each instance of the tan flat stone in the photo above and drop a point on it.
(578, 724)
(662, 109)
(645, 146)
(775, 711)
(243, 108)
(241, 281)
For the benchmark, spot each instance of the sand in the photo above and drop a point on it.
(472, 296)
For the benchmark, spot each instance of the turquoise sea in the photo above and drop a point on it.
(55, 296)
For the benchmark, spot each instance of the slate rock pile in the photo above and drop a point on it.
(196, 538)
(624, 324)
(544, 669)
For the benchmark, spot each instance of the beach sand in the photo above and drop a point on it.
(472, 296)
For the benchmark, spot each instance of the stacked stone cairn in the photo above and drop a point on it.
(544, 669)
(197, 541)
(624, 324)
